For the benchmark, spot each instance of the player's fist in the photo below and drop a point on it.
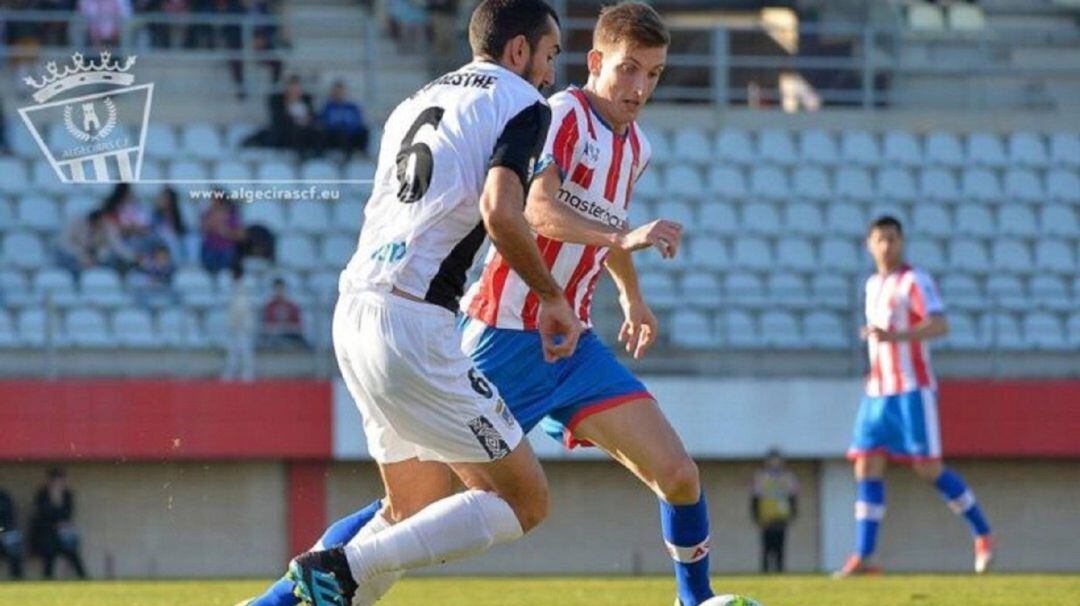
(639, 329)
(663, 234)
(878, 334)
(559, 328)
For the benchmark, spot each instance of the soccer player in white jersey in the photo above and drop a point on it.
(455, 161)
(898, 417)
(578, 204)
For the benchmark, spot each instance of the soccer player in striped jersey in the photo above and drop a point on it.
(898, 417)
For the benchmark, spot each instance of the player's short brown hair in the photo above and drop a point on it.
(635, 23)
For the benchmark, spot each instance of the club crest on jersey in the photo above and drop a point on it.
(590, 156)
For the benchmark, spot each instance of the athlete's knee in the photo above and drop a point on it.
(679, 482)
(928, 470)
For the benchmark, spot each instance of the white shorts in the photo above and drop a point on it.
(419, 395)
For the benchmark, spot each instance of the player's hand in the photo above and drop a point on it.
(663, 234)
(639, 329)
(559, 328)
(879, 334)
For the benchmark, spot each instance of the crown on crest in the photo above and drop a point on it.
(82, 71)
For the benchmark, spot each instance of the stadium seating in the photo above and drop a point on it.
(734, 146)
(859, 148)
(818, 147)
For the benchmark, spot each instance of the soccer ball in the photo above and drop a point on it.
(730, 600)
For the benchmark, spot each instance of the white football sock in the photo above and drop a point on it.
(376, 587)
(461, 525)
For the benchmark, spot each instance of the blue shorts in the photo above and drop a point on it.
(903, 427)
(556, 396)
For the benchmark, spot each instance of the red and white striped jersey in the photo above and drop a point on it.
(900, 301)
(598, 170)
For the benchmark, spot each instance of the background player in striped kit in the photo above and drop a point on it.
(898, 417)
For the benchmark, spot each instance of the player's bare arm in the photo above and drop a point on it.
(553, 219)
(501, 209)
(932, 327)
(640, 327)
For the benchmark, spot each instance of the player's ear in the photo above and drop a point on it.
(594, 61)
(518, 50)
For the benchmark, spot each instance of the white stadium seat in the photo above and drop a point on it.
(308, 217)
(777, 146)
(78, 205)
(1005, 332)
(203, 141)
(38, 213)
(931, 220)
(22, 250)
(15, 289)
(943, 149)
(9, 337)
(974, 220)
(215, 326)
(826, 330)
(779, 329)
(1027, 149)
(818, 147)
(1065, 149)
(735, 146)
(965, 18)
(276, 170)
(1024, 185)
(178, 327)
(337, 250)
(968, 255)
(320, 170)
(692, 329)
(231, 170)
(854, 184)
(1057, 220)
(1054, 256)
(788, 290)
(681, 180)
(831, 290)
(348, 216)
(86, 327)
(752, 253)
(14, 177)
(323, 285)
(189, 170)
(1063, 185)
(134, 327)
(925, 253)
(727, 182)
(1073, 326)
(1049, 292)
(700, 289)
(101, 287)
(986, 149)
(964, 333)
(661, 147)
(901, 148)
(1016, 220)
(938, 185)
(161, 141)
(691, 145)
(196, 288)
(706, 252)
(761, 219)
(859, 148)
(268, 213)
(740, 330)
(674, 210)
(46, 181)
(795, 254)
(962, 291)
(1044, 331)
(980, 184)
(845, 220)
(718, 217)
(661, 288)
(804, 219)
(841, 254)
(744, 290)
(811, 183)
(56, 287)
(1005, 292)
(649, 183)
(925, 18)
(769, 183)
(297, 253)
(36, 327)
(896, 184)
(362, 169)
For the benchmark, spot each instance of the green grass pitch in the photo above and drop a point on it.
(795, 590)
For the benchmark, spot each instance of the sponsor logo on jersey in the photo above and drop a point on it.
(599, 212)
(394, 251)
(489, 437)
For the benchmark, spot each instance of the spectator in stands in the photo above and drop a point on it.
(281, 325)
(222, 234)
(11, 541)
(4, 147)
(162, 34)
(126, 228)
(264, 38)
(83, 243)
(53, 529)
(773, 505)
(201, 35)
(408, 25)
(343, 122)
(292, 120)
(240, 351)
(105, 21)
(153, 278)
(167, 225)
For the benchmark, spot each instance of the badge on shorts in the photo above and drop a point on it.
(489, 438)
(504, 412)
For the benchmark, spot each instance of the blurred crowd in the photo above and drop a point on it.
(52, 532)
(295, 125)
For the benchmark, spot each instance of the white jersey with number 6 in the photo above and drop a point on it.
(422, 226)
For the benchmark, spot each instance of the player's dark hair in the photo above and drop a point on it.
(635, 23)
(885, 221)
(496, 22)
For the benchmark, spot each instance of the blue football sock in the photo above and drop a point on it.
(339, 533)
(869, 511)
(686, 532)
(962, 501)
